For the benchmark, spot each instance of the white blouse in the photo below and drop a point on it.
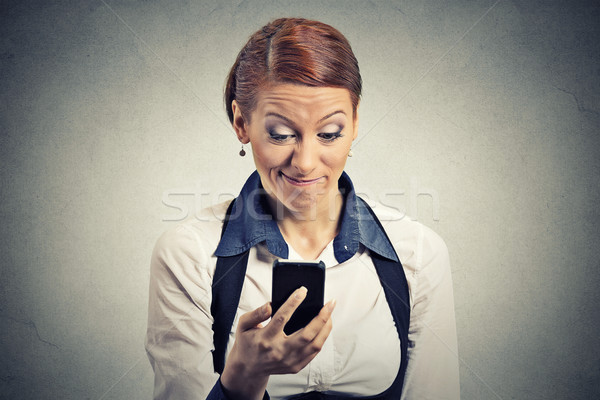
(360, 357)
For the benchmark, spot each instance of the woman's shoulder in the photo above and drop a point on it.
(194, 238)
(416, 244)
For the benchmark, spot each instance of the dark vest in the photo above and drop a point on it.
(227, 286)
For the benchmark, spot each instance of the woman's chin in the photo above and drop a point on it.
(303, 205)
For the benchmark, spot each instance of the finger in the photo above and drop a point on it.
(283, 315)
(317, 344)
(310, 350)
(314, 327)
(251, 319)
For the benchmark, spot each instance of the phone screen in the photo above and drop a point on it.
(291, 275)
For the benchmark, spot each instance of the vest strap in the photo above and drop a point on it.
(226, 290)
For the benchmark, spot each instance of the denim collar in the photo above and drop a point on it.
(251, 223)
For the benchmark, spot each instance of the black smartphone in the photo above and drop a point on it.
(291, 275)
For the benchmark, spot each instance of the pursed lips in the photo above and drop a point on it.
(300, 182)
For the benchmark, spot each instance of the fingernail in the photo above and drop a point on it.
(264, 310)
(331, 305)
(300, 293)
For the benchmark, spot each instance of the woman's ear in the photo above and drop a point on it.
(355, 123)
(239, 124)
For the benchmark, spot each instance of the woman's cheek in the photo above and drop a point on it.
(338, 158)
(272, 157)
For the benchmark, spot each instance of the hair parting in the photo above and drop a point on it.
(292, 50)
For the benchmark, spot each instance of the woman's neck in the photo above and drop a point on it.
(309, 231)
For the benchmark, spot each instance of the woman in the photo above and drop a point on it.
(293, 94)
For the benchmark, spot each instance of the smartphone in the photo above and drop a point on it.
(290, 275)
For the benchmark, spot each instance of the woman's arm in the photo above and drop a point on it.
(179, 335)
(432, 371)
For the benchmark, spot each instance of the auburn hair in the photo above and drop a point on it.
(292, 50)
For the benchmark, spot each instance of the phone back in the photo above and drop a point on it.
(291, 275)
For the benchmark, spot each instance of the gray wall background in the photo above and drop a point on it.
(111, 111)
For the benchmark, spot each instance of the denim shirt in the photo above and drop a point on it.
(251, 222)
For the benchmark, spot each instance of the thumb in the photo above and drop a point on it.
(253, 318)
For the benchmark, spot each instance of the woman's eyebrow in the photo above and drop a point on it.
(274, 114)
(332, 114)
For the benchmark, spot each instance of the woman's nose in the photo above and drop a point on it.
(305, 157)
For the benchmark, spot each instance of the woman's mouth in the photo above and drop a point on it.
(298, 181)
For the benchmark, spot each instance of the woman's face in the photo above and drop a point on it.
(300, 137)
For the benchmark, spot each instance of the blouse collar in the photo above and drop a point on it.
(251, 223)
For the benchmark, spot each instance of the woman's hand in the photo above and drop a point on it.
(261, 351)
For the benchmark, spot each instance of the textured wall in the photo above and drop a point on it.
(110, 108)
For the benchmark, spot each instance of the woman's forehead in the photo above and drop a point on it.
(304, 99)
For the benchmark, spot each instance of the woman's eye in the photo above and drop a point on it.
(273, 135)
(280, 133)
(330, 137)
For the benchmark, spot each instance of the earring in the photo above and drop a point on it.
(350, 154)
(242, 151)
